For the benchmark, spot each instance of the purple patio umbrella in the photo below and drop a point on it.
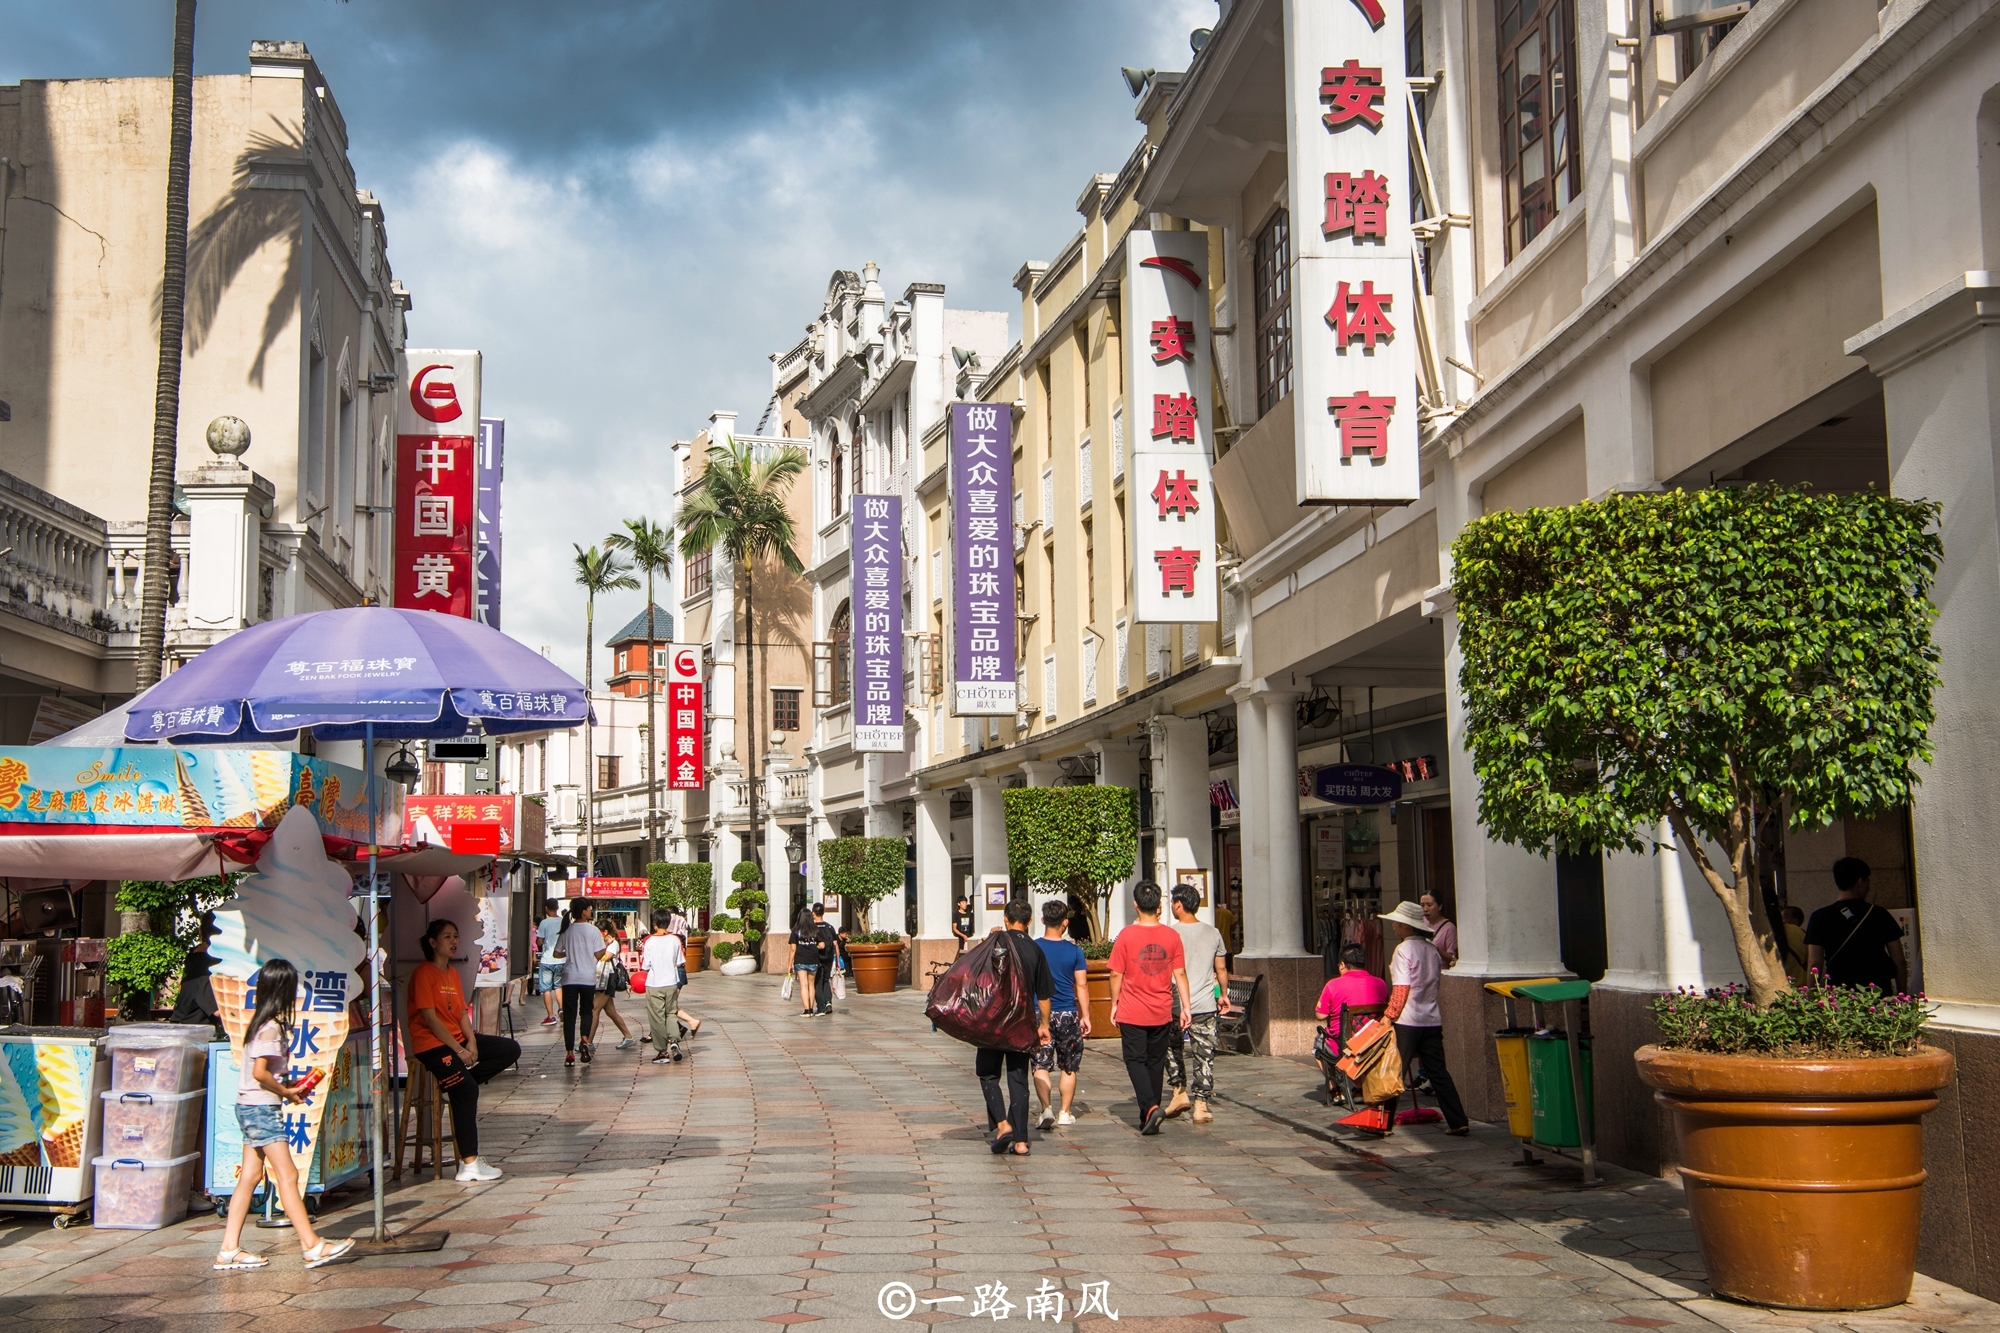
(362, 673)
(387, 671)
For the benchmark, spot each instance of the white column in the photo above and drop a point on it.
(1180, 801)
(1251, 745)
(724, 853)
(224, 499)
(1118, 766)
(934, 865)
(989, 846)
(1281, 784)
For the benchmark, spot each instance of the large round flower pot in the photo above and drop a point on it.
(1804, 1177)
(875, 967)
(1098, 974)
(742, 965)
(697, 953)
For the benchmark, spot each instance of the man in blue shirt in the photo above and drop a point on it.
(1069, 1014)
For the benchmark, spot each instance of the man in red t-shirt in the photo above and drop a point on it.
(1148, 973)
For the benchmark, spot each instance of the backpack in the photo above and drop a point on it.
(983, 998)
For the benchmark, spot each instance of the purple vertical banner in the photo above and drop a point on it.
(486, 540)
(877, 565)
(982, 551)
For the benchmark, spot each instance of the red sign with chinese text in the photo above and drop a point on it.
(608, 886)
(685, 770)
(451, 814)
(435, 491)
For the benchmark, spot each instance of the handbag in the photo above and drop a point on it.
(612, 977)
(839, 982)
(785, 991)
(982, 999)
(1373, 1062)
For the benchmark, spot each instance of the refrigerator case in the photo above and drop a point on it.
(51, 1116)
(342, 1151)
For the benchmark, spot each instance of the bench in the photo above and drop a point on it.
(1234, 1026)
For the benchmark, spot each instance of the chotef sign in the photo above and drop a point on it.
(1357, 784)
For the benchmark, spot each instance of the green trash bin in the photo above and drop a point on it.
(1550, 1091)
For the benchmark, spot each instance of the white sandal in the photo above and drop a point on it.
(328, 1251)
(238, 1261)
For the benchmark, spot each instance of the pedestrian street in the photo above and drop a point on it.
(796, 1171)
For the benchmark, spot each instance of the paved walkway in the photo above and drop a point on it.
(790, 1169)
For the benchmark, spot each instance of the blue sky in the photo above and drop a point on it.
(629, 206)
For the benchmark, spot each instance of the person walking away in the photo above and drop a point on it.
(1007, 1119)
(1413, 1009)
(663, 958)
(961, 922)
(261, 1093)
(605, 1001)
(549, 971)
(1148, 974)
(1355, 988)
(579, 949)
(1061, 1055)
(1191, 1061)
(805, 961)
(829, 959)
(677, 924)
(1794, 957)
(442, 1040)
(1444, 935)
(1851, 941)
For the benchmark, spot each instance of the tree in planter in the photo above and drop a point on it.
(680, 887)
(862, 871)
(1078, 840)
(1713, 660)
(140, 962)
(748, 902)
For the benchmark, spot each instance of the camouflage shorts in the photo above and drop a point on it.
(1065, 1049)
(1191, 1065)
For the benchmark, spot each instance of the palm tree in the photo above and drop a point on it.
(167, 384)
(596, 572)
(739, 506)
(651, 549)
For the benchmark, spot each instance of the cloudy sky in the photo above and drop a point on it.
(629, 206)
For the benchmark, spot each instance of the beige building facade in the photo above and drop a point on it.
(294, 322)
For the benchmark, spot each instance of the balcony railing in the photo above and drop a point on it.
(52, 563)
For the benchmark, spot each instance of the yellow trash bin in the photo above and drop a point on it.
(1511, 1045)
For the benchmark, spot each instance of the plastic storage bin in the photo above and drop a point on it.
(152, 1126)
(134, 1194)
(158, 1057)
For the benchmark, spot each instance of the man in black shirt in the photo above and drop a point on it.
(961, 922)
(1009, 1119)
(1852, 942)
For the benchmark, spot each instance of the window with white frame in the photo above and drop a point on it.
(1089, 669)
(1020, 520)
(1156, 647)
(1190, 642)
(937, 574)
(1118, 442)
(1228, 634)
(1049, 688)
(1048, 500)
(1121, 649)
(1083, 477)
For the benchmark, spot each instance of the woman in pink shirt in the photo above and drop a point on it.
(1355, 987)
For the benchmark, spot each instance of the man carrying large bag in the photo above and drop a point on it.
(996, 997)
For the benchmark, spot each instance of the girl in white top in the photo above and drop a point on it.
(261, 1095)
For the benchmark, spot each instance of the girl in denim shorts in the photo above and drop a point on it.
(261, 1095)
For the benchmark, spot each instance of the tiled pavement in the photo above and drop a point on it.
(790, 1169)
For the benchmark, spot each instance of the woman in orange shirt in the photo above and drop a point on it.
(441, 1036)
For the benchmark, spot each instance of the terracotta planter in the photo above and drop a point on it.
(697, 953)
(1804, 1178)
(875, 967)
(1099, 976)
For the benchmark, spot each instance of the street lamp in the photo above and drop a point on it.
(402, 768)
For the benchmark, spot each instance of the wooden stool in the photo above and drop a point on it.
(432, 1111)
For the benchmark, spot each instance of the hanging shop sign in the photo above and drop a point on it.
(203, 787)
(876, 559)
(1173, 521)
(685, 751)
(609, 886)
(1354, 286)
(1357, 784)
(486, 541)
(437, 475)
(476, 825)
(982, 549)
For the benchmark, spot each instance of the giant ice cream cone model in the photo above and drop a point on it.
(20, 1142)
(64, 1105)
(296, 907)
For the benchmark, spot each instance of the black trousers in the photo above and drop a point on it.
(1427, 1045)
(823, 988)
(579, 1003)
(1145, 1052)
(461, 1085)
(1014, 1108)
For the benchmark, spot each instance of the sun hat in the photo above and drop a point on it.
(1410, 915)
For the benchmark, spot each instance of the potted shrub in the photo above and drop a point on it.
(746, 901)
(863, 871)
(683, 887)
(1697, 670)
(1097, 972)
(1082, 841)
(160, 925)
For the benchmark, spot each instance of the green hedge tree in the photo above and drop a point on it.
(1079, 840)
(863, 871)
(140, 962)
(682, 887)
(747, 901)
(1711, 660)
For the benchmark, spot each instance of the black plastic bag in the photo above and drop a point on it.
(982, 999)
